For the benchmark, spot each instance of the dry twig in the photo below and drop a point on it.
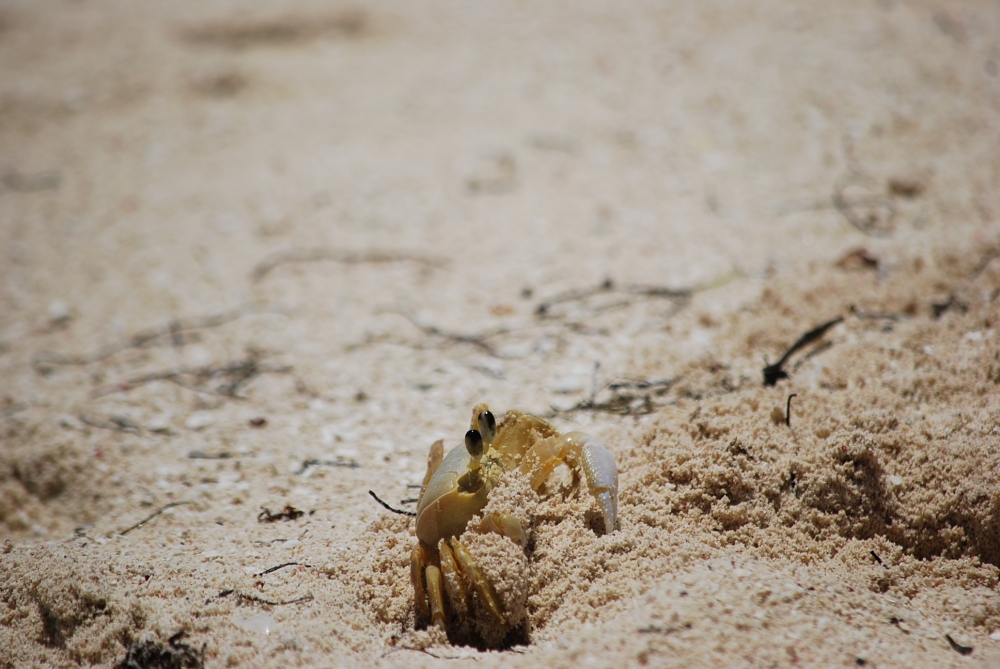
(608, 287)
(154, 515)
(281, 566)
(243, 597)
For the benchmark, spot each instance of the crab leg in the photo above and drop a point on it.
(482, 584)
(453, 581)
(418, 560)
(581, 450)
(421, 555)
(436, 597)
(434, 457)
(506, 525)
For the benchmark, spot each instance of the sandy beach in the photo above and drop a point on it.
(256, 259)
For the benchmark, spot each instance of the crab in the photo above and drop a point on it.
(456, 488)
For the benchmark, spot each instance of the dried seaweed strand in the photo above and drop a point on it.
(772, 373)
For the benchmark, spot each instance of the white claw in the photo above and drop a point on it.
(602, 475)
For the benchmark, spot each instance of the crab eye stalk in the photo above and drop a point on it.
(474, 444)
(487, 426)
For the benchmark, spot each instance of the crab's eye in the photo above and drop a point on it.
(474, 443)
(487, 426)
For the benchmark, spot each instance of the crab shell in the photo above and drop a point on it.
(444, 509)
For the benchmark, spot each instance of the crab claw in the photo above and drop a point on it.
(588, 454)
(602, 476)
(599, 467)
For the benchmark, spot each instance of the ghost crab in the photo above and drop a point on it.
(456, 488)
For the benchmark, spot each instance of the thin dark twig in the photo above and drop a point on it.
(259, 600)
(282, 539)
(154, 515)
(774, 372)
(788, 410)
(608, 287)
(878, 559)
(281, 566)
(957, 647)
(264, 267)
(477, 340)
(172, 330)
(401, 512)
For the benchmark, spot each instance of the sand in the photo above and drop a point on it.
(262, 258)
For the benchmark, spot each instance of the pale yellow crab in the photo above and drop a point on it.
(456, 488)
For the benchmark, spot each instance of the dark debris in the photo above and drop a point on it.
(773, 373)
(957, 647)
(154, 654)
(386, 506)
(288, 513)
